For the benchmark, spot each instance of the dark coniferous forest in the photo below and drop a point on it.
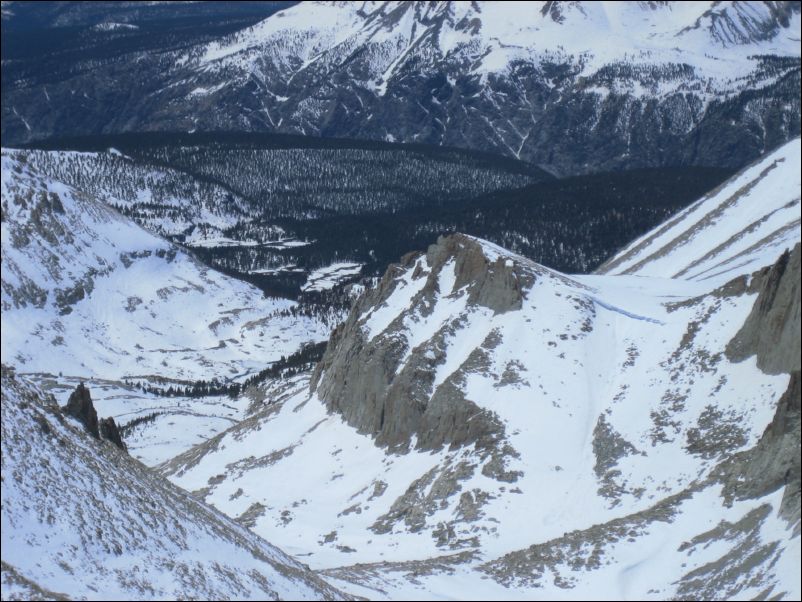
(362, 202)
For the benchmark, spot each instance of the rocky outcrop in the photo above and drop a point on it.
(110, 432)
(774, 462)
(386, 389)
(772, 330)
(80, 407)
(492, 283)
(772, 333)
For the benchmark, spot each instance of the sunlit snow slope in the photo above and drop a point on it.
(87, 291)
(484, 427)
(737, 228)
(87, 294)
(81, 520)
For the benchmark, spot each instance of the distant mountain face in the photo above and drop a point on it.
(484, 425)
(573, 87)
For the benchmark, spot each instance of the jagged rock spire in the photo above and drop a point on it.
(80, 407)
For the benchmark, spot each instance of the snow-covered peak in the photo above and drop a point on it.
(488, 36)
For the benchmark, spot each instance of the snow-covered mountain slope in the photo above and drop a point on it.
(484, 427)
(500, 33)
(87, 294)
(83, 520)
(572, 86)
(166, 201)
(752, 218)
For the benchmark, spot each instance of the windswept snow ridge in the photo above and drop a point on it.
(739, 227)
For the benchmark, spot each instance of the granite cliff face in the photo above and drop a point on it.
(772, 330)
(772, 333)
(367, 377)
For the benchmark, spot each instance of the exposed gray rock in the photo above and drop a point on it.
(496, 466)
(424, 497)
(251, 515)
(497, 284)
(774, 462)
(411, 570)
(609, 447)
(716, 434)
(80, 407)
(25, 589)
(110, 432)
(772, 330)
(578, 550)
(748, 563)
(364, 379)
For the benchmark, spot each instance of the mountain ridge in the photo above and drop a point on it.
(80, 516)
(471, 376)
(572, 88)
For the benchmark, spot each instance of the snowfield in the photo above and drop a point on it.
(87, 292)
(89, 295)
(82, 520)
(756, 215)
(328, 277)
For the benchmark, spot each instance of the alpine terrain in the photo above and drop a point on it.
(485, 427)
(574, 87)
(82, 519)
(453, 300)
